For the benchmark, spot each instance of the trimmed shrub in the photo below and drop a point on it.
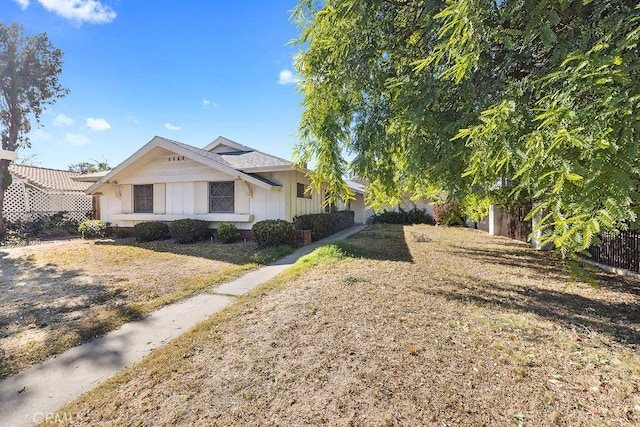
(414, 216)
(272, 232)
(448, 213)
(121, 233)
(92, 228)
(149, 231)
(324, 224)
(189, 230)
(227, 233)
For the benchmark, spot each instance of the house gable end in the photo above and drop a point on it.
(172, 151)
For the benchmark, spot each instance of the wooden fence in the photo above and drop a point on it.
(621, 251)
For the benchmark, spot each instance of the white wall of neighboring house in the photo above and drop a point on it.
(420, 204)
(360, 212)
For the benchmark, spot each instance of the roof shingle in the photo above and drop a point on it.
(242, 160)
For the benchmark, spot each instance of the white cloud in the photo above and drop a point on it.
(39, 135)
(77, 140)
(133, 119)
(91, 11)
(172, 127)
(61, 121)
(209, 104)
(287, 77)
(22, 3)
(98, 125)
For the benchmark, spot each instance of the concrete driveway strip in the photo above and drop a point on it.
(36, 393)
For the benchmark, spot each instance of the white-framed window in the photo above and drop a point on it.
(302, 191)
(222, 196)
(143, 198)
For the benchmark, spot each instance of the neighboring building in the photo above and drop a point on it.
(357, 205)
(228, 182)
(36, 192)
(421, 205)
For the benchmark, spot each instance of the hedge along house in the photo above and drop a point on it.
(37, 192)
(226, 182)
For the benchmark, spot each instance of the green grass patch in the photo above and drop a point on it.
(271, 253)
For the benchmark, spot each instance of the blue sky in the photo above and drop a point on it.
(185, 70)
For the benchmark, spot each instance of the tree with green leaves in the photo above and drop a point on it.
(29, 70)
(454, 97)
(89, 167)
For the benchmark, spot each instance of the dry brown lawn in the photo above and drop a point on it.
(54, 296)
(398, 325)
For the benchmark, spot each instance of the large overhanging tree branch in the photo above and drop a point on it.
(29, 70)
(452, 97)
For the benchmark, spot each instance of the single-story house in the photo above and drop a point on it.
(225, 181)
(36, 192)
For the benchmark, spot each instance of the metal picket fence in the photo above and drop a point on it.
(621, 251)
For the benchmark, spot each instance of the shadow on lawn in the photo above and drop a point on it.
(56, 305)
(235, 253)
(541, 265)
(610, 315)
(545, 265)
(619, 320)
(381, 242)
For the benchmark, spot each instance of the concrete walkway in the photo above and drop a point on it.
(34, 394)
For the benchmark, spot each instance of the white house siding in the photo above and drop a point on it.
(267, 204)
(110, 203)
(294, 205)
(181, 189)
(361, 213)
(165, 167)
(242, 196)
(179, 198)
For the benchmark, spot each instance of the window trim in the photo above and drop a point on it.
(233, 196)
(305, 194)
(137, 201)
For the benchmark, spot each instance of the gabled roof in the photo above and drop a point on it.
(356, 185)
(246, 158)
(216, 161)
(47, 179)
(225, 144)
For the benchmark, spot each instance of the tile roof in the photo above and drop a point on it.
(47, 179)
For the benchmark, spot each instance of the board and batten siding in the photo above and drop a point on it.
(294, 205)
(167, 167)
(159, 198)
(179, 200)
(126, 196)
(181, 189)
